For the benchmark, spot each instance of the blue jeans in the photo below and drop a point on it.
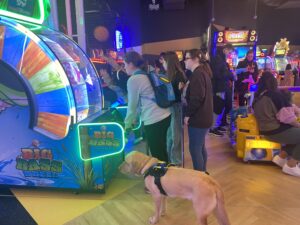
(175, 135)
(197, 147)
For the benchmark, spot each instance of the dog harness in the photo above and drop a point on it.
(158, 170)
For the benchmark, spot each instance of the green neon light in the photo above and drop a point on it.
(39, 20)
(140, 121)
(30, 26)
(100, 124)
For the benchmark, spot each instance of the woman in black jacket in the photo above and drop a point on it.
(199, 110)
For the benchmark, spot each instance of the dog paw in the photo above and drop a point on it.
(153, 220)
(163, 212)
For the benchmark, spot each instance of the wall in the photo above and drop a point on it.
(164, 25)
(237, 14)
(274, 24)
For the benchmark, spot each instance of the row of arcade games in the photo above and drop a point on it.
(241, 40)
(244, 134)
(54, 132)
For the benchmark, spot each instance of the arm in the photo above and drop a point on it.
(133, 100)
(287, 115)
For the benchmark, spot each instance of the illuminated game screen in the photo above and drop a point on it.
(179, 55)
(281, 64)
(237, 55)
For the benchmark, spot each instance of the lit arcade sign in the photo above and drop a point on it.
(236, 36)
(24, 10)
(98, 140)
(119, 40)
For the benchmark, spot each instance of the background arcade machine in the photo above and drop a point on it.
(263, 60)
(242, 41)
(50, 99)
(280, 55)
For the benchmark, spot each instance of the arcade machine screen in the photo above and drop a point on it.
(238, 54)
(179, 55)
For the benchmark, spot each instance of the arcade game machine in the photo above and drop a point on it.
(50, 103)
(263, 60)
(242, 41)
(280, 55)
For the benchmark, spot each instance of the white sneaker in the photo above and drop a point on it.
(294, 171)
(279, 161)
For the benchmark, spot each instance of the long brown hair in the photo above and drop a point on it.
(205, 63)
(173, 65)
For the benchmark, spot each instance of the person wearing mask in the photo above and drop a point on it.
(141, 100)
(268, 104)
(247, 77)
(176, 76)
(199, 110)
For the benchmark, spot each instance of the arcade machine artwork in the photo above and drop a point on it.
(50, 102)
(242, 41)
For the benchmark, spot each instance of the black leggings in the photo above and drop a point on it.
(156, 135)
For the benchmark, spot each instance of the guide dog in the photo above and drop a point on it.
(193, 185)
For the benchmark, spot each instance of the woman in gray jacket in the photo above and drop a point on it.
(141, 100)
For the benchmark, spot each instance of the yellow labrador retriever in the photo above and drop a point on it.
(196, 186)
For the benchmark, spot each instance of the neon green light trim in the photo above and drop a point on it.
(140, 121)
(30, 26)
(100, 124)
(26, 18)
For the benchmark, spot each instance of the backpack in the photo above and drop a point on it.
(163, 90)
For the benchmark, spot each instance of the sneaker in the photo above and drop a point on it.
(222, 129)
(215, 132)
(279, 161)
(293, 171)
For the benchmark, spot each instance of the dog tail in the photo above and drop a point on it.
(220, 211)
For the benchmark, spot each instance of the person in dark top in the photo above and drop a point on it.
(222, 88)
(247, 77)
(176, 75)
(268, 103)
(120, 78)
(199, 111)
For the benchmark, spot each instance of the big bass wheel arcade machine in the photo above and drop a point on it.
(50, 103)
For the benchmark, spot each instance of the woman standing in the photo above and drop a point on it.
(199, 112)
(141, 100)
(175, 74)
